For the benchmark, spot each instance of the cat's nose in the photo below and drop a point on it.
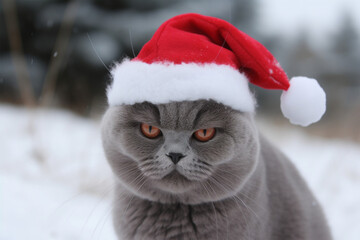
(175, 157)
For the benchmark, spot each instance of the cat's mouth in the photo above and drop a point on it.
(175, 182)
(179, 177)
(175, 176)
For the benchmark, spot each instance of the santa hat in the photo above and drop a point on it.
(193, 57)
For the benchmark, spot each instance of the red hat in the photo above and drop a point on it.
(193, 57)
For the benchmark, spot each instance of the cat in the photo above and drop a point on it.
(236, 185)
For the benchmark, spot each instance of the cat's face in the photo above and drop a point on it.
(162, 153)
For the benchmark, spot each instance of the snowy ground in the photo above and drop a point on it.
(55, 182)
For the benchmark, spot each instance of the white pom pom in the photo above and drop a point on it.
(304, 102)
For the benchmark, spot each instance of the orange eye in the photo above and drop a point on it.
(150, 131)
(204, 135)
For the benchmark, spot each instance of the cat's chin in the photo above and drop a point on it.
(175, 183)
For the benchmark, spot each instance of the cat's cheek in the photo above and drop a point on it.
(216, 151)
(139, 147)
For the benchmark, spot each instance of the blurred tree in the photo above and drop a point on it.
(343, 58)
(110, 5)
(104, 31)
(340, 73)
(244, 14)
(346, 40)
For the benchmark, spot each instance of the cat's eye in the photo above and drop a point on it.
(149, 131)
(204, 135)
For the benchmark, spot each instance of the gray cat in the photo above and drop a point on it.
(171, 183)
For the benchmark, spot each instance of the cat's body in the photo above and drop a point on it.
(249, 190)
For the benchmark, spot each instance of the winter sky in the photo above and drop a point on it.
(320, 17)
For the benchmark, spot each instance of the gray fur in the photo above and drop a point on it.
(235, 186)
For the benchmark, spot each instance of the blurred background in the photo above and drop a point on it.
(55, 57)
(56, 53)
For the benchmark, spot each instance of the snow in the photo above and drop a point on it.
(55, 182)
(304, 102)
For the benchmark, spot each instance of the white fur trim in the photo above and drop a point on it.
(304, 102)
(135, 82)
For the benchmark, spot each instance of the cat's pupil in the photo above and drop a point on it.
(204, 131)
(150, 128)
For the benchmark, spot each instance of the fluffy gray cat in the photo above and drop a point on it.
(201, 170)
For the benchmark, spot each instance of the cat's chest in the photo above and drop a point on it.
(151, 220)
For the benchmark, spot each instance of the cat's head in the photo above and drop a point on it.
(191, 151)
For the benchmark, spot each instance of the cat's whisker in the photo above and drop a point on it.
(216, 182)
(150, 169)
(253, 200)
(250, 210)
(239, 177)
(136, 180)
(205, 163)
(227, 220)
(227, 172)
(128, 172)
(132, 197)
(129, 167)
(216, 219)
(97, 54)
(244, 216)
(239, 192)
(248, 184)
(203, 167)
(104, 216)
(105, 220)
(149, 165)
(102, 198)
(238, 197)
(148, 161)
